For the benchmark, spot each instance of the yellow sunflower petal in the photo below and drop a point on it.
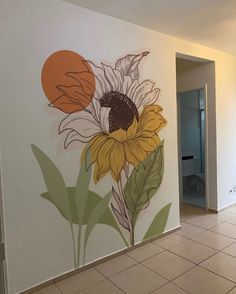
(98, 175)
(117, 159)
(157, 139)
(150, 123)
(148, 144)
(103, 158)
(94, 147)
(132, 130)
(129, 155)
(137, 150)
(154, 108)
(119, 135)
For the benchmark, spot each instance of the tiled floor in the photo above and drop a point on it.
(198, 259)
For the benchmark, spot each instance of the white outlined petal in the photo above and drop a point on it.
(102, 85)
(94, 108)
(79, 77)
(114, 77)
(132, 88)
(126, 84)
(150, 98)
(73, 136)
(82, 122)
(104, 121)
(141, 91)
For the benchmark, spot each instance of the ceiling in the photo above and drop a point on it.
(208, 22)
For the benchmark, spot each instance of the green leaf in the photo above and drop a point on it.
(144, 182)
(159, 222)
(81, 191)
(93, 199)
(54, 182)
(96, 214)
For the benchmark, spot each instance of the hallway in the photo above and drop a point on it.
(198, 259)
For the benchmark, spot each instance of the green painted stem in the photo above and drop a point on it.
(79, 242)
(73, 240)
(132, 233)
(123, 237)
(120, 189)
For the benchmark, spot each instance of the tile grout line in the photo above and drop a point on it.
(217, 274)
(231, 290)
(167, 250)
(168, 281)
(58, 287)
(209, 229)
(190, 239)
(218, 251)
(107, 278)
(194, 264)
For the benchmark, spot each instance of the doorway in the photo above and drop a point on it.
(195, 87)
(192, 146)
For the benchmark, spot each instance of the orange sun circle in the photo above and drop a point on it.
(68, 81)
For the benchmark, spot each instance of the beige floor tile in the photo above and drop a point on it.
(231, 250)
(193, 251)
(213, 240)
(138, 280)
(221, 216)
(226, 229)
(231, 209)
(190, 211)
(115, 265)
(223, 265)
(169, 289)
(169, 241)
(189, 231)
(203, 221)
(232, 221)
(168, 265)
(144, 252)
(48, 290)
(201, 281)
(80, 281)
(104, 287)
(183, 218)
(232, 291)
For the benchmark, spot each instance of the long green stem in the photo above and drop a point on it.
(123, 237)
(132, 233)
(131, 227)
(79, 243)
(73, 240)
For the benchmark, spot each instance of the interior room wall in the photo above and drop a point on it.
(38, 240)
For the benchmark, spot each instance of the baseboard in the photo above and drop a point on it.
(213, 210)
(95, 263)
(223, 208)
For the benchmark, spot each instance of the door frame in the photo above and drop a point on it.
(206, 149)
(3, 273)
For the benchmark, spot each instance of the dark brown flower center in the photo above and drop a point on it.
(123, 110)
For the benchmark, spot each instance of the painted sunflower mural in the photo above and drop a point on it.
(115, 117)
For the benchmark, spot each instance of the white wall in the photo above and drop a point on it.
(38, 239)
